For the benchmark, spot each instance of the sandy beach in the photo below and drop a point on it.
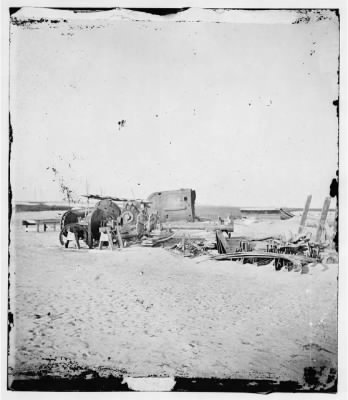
(147, 312)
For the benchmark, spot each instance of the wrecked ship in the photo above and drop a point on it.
(173, 205)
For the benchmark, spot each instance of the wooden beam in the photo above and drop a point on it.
(323, 217)
(294, 258)
(110, 240)
(119, 237)
(198, 226)
(304, 214)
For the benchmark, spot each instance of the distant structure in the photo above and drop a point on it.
(174, 205)
(268, 213)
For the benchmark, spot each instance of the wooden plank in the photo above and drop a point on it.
(175, 209)
(199, 226)
(323, 217)
(180, 235)
(304, 214)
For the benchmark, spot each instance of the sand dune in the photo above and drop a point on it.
(145, 311)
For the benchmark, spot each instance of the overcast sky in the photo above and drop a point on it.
(241, 110)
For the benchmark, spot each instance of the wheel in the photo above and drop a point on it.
(62, 236)
(127, 217)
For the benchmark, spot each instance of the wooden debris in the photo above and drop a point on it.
(188, 248)
(304, 214)
(233, 244)
(295, 260)
(119, 237)
(154, 241)
(323, 217)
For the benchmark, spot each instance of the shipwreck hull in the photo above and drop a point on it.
(174, 205)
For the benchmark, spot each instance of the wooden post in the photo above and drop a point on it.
(110, 240)
(323, 217)
(119, 237)
(304, 214)
(38, 227)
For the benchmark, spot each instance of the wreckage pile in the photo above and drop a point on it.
(190, 247)
(294, 253)
(138, 223)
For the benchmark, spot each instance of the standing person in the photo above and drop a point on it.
(230, 219)
(158, 221)
(333, 194)
(140, 225)
(150, 222)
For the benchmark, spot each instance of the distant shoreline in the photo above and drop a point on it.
(56, 206)
(23, 207)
